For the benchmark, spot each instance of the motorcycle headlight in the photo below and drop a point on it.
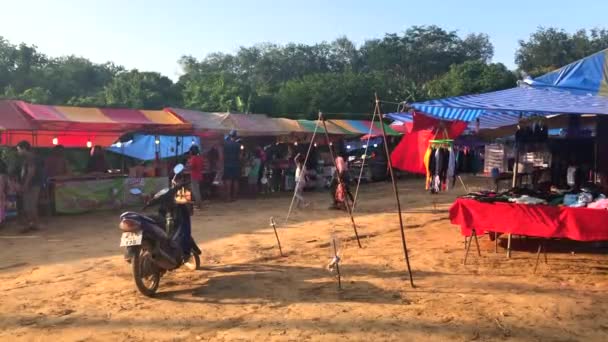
(129, 225)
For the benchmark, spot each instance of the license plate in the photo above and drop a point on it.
(131, 239)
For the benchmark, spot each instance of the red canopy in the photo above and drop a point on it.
(46, 126)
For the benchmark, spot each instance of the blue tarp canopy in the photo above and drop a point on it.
(143, 146)
(588, 76)
(577, 88)
(502, 108)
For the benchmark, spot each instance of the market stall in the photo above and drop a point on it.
(544, 221)
(565, 205)
(92, 184)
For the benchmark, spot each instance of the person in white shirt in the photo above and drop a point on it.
(300, 181)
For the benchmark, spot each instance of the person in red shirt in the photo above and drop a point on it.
(195, 163)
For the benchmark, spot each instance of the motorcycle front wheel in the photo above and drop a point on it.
(145, 272)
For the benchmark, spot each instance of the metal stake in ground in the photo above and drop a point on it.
(390, 168)
(337, 263)
(274, 226)
(340, 180)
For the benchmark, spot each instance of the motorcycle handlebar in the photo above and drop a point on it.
(175, 186)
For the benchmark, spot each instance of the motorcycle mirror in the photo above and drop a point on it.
(178, 169)
(135, 191)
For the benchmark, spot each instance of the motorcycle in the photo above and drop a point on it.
(155, 245)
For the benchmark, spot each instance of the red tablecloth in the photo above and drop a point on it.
(581, 224)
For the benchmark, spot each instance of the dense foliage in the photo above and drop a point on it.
(296, 79)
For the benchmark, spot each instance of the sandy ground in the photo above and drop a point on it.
(69, 282)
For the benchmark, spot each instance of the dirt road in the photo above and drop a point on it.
(68, 282)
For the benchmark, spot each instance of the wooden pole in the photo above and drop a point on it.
(369, 135)
(274, 226)
(395, 190)
(340, 180)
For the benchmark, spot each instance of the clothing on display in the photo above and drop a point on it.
(441, 168)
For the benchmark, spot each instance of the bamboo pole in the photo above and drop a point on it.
(395, 190)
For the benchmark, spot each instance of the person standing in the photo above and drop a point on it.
(31, 182)
(341, 177)
(195, 163)
(232, 165)
(300, 181)
(254, 173)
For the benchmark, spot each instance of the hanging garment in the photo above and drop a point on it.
(432, 165)
(445, 160)
(438, 162)
(571, 176)
(436, 184)
(451, 167)
(427, 157)
(460, 161)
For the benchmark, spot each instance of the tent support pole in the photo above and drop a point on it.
(378, 112)
(340, 180)
(516, 165)
(295, 189)
(369, 135)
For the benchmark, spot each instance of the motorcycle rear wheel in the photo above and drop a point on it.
(194, 263)
(145, 272)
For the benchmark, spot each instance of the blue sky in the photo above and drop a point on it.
(152, 35)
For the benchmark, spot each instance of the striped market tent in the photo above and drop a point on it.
(102, 119)
(577, 88)
(363, 127)
(504, 107)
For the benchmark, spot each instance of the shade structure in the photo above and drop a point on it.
(309, 126)
(143, 146)
(504, 107)
(588, 76)
(257, 125)
(202, 121)
(363, 127)
(16, 126)
(11, 118)
(101, 119)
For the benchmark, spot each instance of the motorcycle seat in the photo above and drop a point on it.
(137, 216)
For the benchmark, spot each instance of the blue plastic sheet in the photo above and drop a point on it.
(143, 147)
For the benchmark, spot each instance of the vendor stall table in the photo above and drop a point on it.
(79, 194)
(580, 224)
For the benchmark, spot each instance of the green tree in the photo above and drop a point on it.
(36, 95)
(550, 48)
(346, 92)
(471, 77)
(215, 91)
(137, 89)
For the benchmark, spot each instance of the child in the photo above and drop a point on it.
(254, 172)
(300, 181)
(266, 178)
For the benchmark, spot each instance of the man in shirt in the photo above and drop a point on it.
(32, 179)
(196, 174)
